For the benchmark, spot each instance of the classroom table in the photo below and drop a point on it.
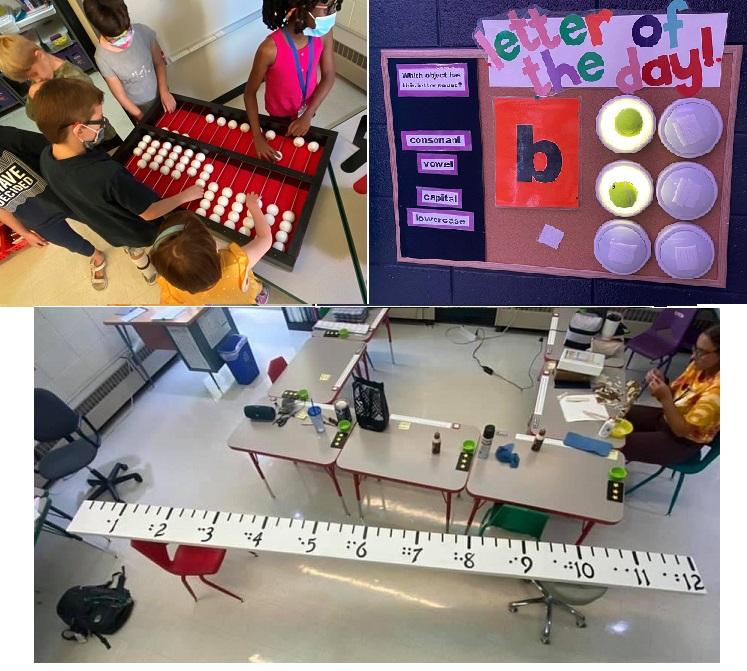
(549, 413)
(322, 366)
(154, 332)
(402, 453)
(558, 479)
(376, 317)
(296, 441)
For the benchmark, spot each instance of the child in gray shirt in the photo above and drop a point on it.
(129, 58)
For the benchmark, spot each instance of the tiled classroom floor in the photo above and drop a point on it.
(314, 610)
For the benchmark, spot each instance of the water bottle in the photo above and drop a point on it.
(342, 410)
(538, 440)
(486, 441)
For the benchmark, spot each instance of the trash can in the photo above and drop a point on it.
(235, 351)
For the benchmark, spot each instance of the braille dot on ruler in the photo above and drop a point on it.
(456, 556)
(555, 561)
(664, 574)
(627, 570)
(615, 569)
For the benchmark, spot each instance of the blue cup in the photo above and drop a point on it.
(315, 412)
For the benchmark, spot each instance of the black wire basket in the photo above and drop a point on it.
(369, 401)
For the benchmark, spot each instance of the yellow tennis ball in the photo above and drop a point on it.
(629, 122)
(623, 194)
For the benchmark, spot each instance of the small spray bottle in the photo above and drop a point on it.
(538, 440)
(436, 445)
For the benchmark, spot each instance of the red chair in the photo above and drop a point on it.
(188, 560)
(276, 368)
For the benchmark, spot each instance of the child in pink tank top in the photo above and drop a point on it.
(288, 61)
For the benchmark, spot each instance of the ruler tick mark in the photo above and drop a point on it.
(215, 519)
(690, 561)
(171, 510)
(123, 509)
(264, 524)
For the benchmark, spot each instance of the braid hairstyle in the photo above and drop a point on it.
(274, 12)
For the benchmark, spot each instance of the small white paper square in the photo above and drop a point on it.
(621, 252)
(686, 257)
(551, 236)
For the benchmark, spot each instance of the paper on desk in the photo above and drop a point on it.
(135, 312)
(583, 408)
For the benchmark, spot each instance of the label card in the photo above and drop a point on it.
(436, 140)
(448, 219)
(434, 197)
(437, 164)
(432, 79)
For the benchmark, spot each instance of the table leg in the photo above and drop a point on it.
(60, 513)
(139, 369)
(331, 471)
(59, 531)
(212, 377)
(370, 360)
(475, 507)
(255, 461)
(586, 527)
(389, 336)
(448, 510)
(357, 482)
(365, 365)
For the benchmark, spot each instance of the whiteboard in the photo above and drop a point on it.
(181, 24)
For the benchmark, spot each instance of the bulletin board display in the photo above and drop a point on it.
(464, 196)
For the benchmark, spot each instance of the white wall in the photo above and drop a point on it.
(73, 349)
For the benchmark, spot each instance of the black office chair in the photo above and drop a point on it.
(54, 420)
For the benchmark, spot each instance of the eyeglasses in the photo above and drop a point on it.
(698, 353)
(325, 8)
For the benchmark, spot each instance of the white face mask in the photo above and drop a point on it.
(323, 25)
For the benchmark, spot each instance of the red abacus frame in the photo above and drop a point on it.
(238, 159)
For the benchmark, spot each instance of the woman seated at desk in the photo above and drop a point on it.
(689, 414)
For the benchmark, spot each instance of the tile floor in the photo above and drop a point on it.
(329, 610)
(53, 276)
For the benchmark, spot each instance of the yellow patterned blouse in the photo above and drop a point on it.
(234, 263)
(698, 398)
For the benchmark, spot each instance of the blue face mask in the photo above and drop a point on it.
(323, 25)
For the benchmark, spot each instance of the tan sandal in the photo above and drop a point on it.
(99, 283)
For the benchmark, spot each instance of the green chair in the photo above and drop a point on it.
(564, 595)
(695, 465)
(514, 519)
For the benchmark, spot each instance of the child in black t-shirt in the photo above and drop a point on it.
(98, 189)
(30, 208)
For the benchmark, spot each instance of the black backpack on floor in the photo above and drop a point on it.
(95, 609)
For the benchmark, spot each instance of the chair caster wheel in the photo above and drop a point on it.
(138, 478)
(545, 640)
(123, 467)
(581, 624)
(512, 609)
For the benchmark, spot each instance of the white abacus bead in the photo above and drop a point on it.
(165, 170)
(233, 124)
(176, 174)
(174, 156)
(213, 186)
(147, 138)
(184, 160)
(279, 246)
(244, 128)
(138, 151)
(162, 152)
(164, 128)
(155, 143)
(270, 135)
(209, 195)
(248, 223)
(245, 231)
(210, 118)
(201, 211)
(196, 164)
(221, 121)
(169, 162)
(158, 159)
(288, 215)
(153, 165)
(189, 153)
(237, 207)
(222, 200)
(313, 146)
(259, 203)
(227, 192)
(167, 145)
(179, 168)
(142, 164)
(273, 209)
(208, 167)
(285, 226)
(278, 156)
(204, 175)
(148, 155)
(299, 142)
(200, 156)
(270, 220)
(234, 216)
(192, 172)
(200, 182)
(205, 203)
(178, 149)
(219, 209)
(142, 144)
(215, 218)
(185, 134)
(281, 236)
(240, 197)
(229, 224)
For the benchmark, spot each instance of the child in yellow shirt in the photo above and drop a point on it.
(192, 271)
